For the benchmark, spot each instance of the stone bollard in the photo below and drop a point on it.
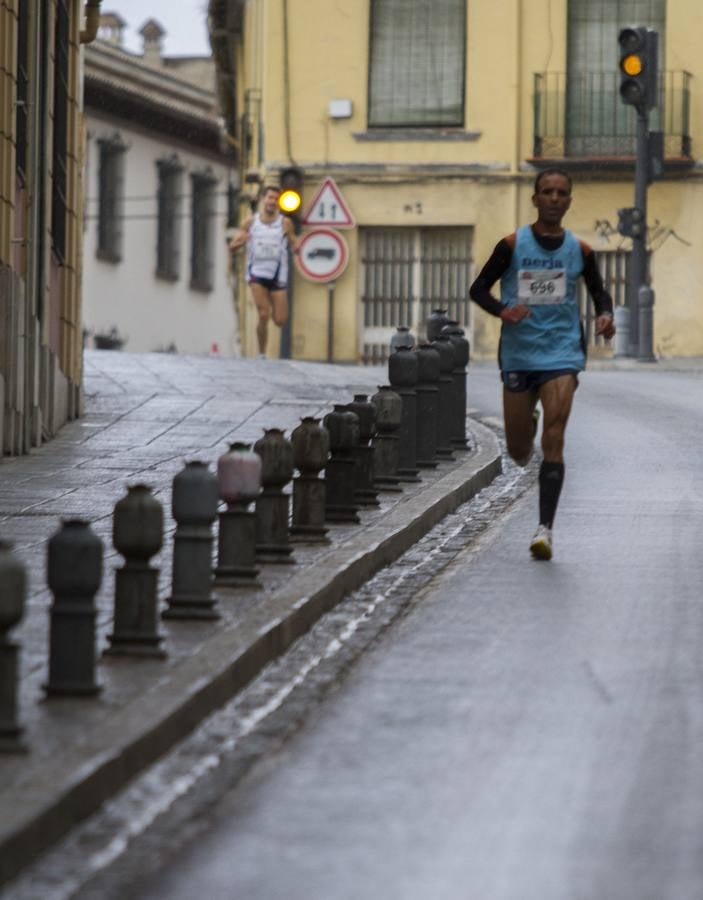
(239, 484)
(427, 405)
(444, 347)
(13, 590)
(364, 491)
(194, 507)
(403, 337)
(435, 323)
(311, 450)
(461, 360)
(343, 427)
(138, 534)
(389, 409)
(272, 504)
(75, 565)
(402, 374)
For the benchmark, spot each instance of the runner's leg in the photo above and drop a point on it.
(262, 301)
(279, 304)
(518, 408)
(556, 397)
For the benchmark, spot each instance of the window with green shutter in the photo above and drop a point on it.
(417, 63)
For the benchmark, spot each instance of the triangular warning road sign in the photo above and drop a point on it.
(328, 208)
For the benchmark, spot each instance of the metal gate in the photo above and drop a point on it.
(405, 274)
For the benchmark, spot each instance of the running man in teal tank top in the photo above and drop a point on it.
(542, 345)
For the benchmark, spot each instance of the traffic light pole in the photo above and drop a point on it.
(642, 293)
(641, 325)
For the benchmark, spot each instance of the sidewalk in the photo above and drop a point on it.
(145, 415)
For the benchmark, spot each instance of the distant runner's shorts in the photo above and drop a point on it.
(271, 284)
(518, 382)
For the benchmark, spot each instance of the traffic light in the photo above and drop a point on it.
(631, 222)
(638, 66)
(291, 197)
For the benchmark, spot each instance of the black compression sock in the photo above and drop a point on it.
(551, 478)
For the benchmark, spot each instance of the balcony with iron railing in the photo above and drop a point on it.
(582, 120)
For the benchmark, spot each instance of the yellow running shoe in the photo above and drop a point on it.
(541, 546)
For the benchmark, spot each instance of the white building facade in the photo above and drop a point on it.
(158, 185)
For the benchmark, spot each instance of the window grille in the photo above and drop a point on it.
(417, 63)
(110, 198)
(405, 274)
(169, 201)
(202, 232)
(60, 136)
(22, 92)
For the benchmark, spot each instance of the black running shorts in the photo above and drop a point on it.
(518, 382)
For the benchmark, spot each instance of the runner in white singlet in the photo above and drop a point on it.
(267, 235)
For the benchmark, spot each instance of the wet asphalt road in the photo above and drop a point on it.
(530, 731)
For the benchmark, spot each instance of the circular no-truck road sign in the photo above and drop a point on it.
(322, 255)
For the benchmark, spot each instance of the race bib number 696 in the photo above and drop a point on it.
(540, 287)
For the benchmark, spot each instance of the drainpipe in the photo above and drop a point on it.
(92, 21)
(518, 110)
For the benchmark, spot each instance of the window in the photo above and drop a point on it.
(169, 201)
(22, 82)
(405, 274)
(60, 142)
(597, 122)
(417, 63)
(110, 198)
(202, 232)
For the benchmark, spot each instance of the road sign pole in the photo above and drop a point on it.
(330, 321)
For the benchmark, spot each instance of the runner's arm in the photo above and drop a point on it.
(602, 301)
(289, 232)
(241, 235)
(497, 265)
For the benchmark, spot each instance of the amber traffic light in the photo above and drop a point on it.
(638, 66)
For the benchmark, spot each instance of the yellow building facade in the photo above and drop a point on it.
(41, 146)
(433, 118)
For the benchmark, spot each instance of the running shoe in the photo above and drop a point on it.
(541, 546)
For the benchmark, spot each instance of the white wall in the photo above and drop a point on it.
(152, 313)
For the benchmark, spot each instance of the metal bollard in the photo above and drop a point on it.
(343, 427)
(389, 409)
(402, 374)
(13, 590)
(75, 564)
(311, 450)
(239, 483)
(364, 491)
(194, 507)
(435, 323)
(272, 505)
(427, 405)
(461, 360)
(621, 346)
(138, 534)
(446, 396)
(403, 337)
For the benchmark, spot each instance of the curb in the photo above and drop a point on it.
(94, 769)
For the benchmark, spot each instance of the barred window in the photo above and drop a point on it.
(596, 122)
(417, 63)
(169, 200)
(60, 141)
(110, 198)
(202, 232)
